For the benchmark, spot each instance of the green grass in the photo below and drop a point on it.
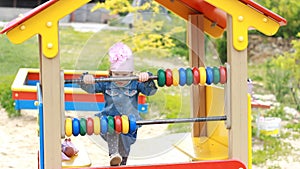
(273, 149)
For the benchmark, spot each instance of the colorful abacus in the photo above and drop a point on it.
(190, 76)
(120, 124)
(177, 77)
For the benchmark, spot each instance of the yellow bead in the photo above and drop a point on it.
(125, 124)
(68, 127)
(96, 125)
(175, 74)
(202, 75)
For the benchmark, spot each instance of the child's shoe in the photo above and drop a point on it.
(115, 160)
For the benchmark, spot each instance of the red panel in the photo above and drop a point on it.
(84, 97)
(226, 164)
(265, 11)
(211, 12)
(142, 99)
(27, 15)
(17, 95)
(259, 105)
(33, 76)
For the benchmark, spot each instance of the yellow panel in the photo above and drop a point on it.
(78, 161)
(209, 149)
(45, 23)
(215, 145)
(243, 18)
(249, 133)
(215, 107)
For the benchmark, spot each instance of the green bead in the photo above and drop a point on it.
(161, 78)
(189, 76)
(82, 127)
(216, 75)
(111, 124)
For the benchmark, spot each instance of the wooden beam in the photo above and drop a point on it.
(238, 133)
(51, 90)
(196, 42)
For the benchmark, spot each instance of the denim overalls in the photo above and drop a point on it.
(121, 101)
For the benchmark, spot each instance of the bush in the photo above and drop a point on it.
(7, 103)
(277, 80)
(222, 48)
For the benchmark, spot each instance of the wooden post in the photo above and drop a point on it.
(51, 86)
(238, 133)
(196, 42)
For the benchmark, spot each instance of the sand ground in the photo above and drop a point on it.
(19, 145)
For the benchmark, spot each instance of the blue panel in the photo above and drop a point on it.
(32, 82)
(84, 106)
(143, 108)
(24, 104)
(79, 106)
(74, 85)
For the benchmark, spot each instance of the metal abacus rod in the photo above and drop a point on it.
(121, 124)
(175, 77)
(181, 120)
(109, 79)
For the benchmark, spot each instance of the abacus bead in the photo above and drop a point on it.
(175, 74)
(125, 124)
(75, 126)
(103, 124)
(209, 75)
(189, 76)
(68, 127)
(196, 75)
(182, 77)
(161, 78)
(111, 124)
(82, 126)
(169, 77)
(223, 75)
(118, 124)
(96, 125)
(89, 126)
(202, 75)
(216, 75)
(132, 123)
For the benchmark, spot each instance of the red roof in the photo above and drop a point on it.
(12, 24)
(211, 12)
(265, 11)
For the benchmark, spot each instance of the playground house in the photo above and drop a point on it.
(213, 17)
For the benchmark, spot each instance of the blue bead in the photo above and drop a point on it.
(209, 75)
(182, 76)
(103, 124)
(132, 123)
(76, 127)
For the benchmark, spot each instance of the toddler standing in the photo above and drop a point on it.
(121, 98)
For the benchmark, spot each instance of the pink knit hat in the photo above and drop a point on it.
(120, 57)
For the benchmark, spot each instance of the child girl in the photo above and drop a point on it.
(121, 98)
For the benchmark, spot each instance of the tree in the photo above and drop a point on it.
(290, 62)
(147, 34)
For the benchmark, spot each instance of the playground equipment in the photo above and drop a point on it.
(24, 92)
(209, 16)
